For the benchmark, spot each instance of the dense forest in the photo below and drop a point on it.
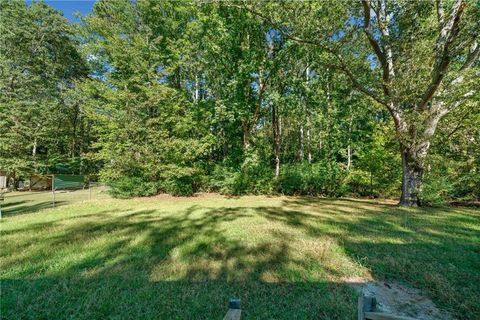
(336, 98)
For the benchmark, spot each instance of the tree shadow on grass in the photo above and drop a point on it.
(433, 249)
(149, 264)
(153, 265)
(15, 208)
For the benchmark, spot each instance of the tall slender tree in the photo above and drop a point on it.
(39, 61)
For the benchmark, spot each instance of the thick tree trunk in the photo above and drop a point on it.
(412, 180)
(413, 157)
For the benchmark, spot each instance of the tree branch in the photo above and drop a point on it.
(442, 59)
(440, 14)
(383, 52)
(472, 58)
(383, 26)
(373, 43)
(396, 113)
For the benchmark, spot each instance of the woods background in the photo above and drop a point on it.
(369, 98)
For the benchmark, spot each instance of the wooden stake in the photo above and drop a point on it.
(234, 311)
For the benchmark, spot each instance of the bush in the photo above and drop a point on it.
(435, 190)
(237, 182)
(327, 178)
(178, 181)
(360, 183)
(253, 177)
(312, 179)
(436, 187)
(179, 186)
(290, 181)
(128, 187)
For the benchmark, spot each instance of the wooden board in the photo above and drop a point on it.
(385, 316)
(233, 314)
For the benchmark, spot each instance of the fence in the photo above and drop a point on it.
(20, 202)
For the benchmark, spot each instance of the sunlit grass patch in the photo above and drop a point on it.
(184, 258)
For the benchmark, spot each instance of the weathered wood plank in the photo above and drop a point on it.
(361, 312)
(385, 316)
(233, 314)
(365, 304)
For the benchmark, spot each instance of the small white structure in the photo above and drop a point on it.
(3, 180)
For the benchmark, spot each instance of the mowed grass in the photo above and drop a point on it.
(31, 201)
(183, 258)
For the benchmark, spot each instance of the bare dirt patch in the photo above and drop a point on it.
(398, 299)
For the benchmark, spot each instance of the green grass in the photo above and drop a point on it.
(286, 258)
(27, 202)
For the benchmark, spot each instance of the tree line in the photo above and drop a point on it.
(371, 98)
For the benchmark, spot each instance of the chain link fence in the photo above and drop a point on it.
(21, 202)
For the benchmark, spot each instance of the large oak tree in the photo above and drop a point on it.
(418, 59)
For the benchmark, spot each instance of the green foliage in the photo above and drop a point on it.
(214, 97)
(454, 166)
(230, 182)
(360, 183)
(251, 178)
(321, 178)
(436, 190)
(178, 181)
(291, 181)
(128, 187)
(39, 62)
(378, 167)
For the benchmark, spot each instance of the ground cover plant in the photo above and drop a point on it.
(183, 258)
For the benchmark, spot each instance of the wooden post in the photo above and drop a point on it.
(53, 190)
(365, 304)
(234, 311)
(385, 316)
(366, 311)
(1, 200)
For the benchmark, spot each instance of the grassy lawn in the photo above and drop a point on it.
(27, 202)
(285, 257)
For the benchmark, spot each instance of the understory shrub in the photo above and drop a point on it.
(246, 180)
(435, 190)
(312, 179)
(128, 187)
(178, 181)
(360, 183)
(437, 187)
